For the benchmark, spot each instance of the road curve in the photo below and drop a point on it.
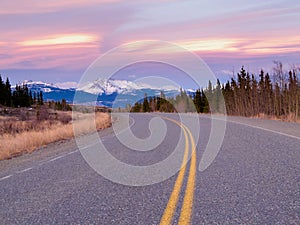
(253, 180)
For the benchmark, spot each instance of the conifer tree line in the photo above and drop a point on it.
(244, 95)
(181, 103)
(59, 105)
(20, 97)
(277, 96)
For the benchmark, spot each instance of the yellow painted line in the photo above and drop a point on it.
(187, 207)
(171, 206)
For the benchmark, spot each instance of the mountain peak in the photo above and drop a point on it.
(38, 83)
(104, 91)
(110, 86)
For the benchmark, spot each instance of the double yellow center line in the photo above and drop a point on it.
(187, 206)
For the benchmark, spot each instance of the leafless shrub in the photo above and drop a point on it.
(64, 118)
(42, 113)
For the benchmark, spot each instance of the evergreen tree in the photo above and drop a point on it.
(2, 92)
(7, 93)
(204, 108)
(197, 100)
(34, 98)
(218, 97)
(41, 98)
(209, 96)
(137, 107)
(146, 107)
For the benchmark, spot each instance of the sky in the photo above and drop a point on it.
(56, 41)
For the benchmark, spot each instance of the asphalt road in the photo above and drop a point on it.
(253, 180)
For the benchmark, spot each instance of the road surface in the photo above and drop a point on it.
(253, 180)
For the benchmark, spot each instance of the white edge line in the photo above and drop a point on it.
(3, 178)
(265, 129)
(90, 145)
(30, 168)
(22, 171)
(72, 152)
(261, 128)
(56, 158)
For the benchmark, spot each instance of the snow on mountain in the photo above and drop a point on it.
(67, 85)
(101, 86)
(108, 93)
(40, 84)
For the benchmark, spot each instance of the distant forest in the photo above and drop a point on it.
(20, 97)
(244, 95)
(23, 97)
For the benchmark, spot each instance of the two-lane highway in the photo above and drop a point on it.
(253, 180)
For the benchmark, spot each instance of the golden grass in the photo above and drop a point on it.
(28, 141)
(288, 118)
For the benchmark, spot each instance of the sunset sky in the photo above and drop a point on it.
(55, 41)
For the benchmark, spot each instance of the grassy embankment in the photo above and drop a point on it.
(25, 133)
(289, 118)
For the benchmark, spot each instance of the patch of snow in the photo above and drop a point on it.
(101, 86)
(66, 85)
(46, 89)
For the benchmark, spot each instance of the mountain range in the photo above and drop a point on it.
(102, 92)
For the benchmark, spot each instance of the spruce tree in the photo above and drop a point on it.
(197, 100)
(41, 98)
(2, 92)
(146, 107)
(8, 93)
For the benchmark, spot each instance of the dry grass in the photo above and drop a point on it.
(289, 118)
(30, 137)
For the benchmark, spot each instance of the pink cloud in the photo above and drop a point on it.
(71, 34)
(73, 56)
(37, 6)
(62, 39)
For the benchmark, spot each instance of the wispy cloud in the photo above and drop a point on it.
(70, 34)
(72, 56)
(217, 45)
(277, 45)
(61, 40)
(37, 6)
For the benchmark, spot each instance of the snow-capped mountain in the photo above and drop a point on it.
(110, 93)
(40, 86)
(53, 92)
(104, 86)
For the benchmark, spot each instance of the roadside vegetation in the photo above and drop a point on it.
(275, 96)
(24, 130)
(28, 123)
